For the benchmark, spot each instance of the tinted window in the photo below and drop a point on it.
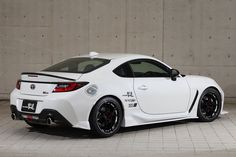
(78, 65)
(123, 71)
(149, 68)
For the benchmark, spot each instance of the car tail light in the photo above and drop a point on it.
(68, 86)
(18, 83)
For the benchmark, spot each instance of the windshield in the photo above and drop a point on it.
(78, 65)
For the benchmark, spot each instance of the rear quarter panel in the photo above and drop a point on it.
(110, 84)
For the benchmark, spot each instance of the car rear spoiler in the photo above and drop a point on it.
(33, 74)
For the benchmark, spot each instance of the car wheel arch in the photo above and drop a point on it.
(212, 87)
(105, 96)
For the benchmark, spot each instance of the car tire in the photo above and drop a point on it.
(106, 117)
(209, 105)
(34, 125)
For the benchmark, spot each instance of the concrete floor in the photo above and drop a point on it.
(183, 138)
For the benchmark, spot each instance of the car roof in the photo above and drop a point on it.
(119, 58)
(112, 56)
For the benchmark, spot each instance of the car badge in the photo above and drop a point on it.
(31, 106)
(32, 86)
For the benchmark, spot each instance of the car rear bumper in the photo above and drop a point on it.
(47, 116)
(64, 107)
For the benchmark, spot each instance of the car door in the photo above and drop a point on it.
(156, 92)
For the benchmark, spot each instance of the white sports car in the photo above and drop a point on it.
(103, 92)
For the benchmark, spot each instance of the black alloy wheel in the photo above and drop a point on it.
(106, 117)
(209, 106)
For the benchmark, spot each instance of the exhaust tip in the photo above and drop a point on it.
(13, 116)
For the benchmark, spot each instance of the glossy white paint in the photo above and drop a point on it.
(162, 95)
(157, 99)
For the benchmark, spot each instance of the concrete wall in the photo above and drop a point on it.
(195, 36)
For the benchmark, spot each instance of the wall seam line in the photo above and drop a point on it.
(88, 26)
(163, 30)
(126, 25)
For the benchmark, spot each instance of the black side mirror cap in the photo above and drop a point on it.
(173, 74)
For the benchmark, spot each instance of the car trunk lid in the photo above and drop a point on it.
(43, 83)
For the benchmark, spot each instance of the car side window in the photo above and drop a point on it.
(149, 68)
(123, 70)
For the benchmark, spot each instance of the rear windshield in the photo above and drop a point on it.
(78, 65)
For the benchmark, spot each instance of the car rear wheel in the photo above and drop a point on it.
(106, 117)
(209, 106)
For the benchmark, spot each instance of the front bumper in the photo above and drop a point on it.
(41, 118)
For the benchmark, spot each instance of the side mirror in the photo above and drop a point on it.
(173, 74)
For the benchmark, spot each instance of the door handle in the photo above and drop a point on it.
(143, 87)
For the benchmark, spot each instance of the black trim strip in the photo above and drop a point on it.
(84, 83)
(195, 98)
(38, 82)
(42, 74)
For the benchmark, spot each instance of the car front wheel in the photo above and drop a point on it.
(106, 117)
(209, 106)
